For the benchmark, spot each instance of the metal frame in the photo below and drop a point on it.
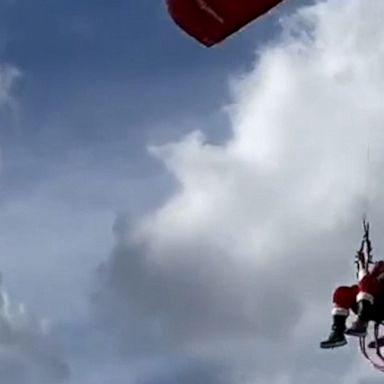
(376, 358)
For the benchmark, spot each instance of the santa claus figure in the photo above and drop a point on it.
(365, 299)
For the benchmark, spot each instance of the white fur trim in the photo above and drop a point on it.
(365, 296)
(362, 273)
(337, 311)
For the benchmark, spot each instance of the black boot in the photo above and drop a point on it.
(360, 325)
(336, 337)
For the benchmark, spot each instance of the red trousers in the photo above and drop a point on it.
(345, 298)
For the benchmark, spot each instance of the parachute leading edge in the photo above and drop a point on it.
(211, 21)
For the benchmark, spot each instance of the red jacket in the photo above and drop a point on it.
(378, 270)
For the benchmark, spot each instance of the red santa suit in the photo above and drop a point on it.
(369, 286)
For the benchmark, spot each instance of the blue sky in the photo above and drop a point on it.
(116, 218)
(100, 82)
(90, 72)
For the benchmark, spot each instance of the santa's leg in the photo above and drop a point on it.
(344, 299)
(369, 288)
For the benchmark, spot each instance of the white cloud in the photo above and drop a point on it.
(8, 75)
(238, 266)
(27, 353)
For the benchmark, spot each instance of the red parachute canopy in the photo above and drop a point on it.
(211, 21)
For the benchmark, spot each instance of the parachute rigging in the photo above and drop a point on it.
(364, 256)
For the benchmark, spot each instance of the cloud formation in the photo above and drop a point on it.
(236, 269)
(27, 352)
(8, 75)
